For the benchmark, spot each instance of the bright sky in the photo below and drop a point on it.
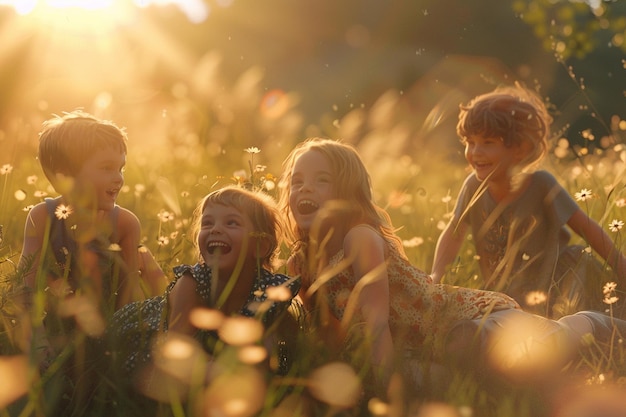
(196, 10)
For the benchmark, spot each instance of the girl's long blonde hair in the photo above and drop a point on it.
(352, 184)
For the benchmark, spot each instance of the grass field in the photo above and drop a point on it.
(416, 165)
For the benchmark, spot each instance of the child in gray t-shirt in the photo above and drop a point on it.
(518, 216)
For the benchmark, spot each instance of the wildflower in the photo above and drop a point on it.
(6, 169)
(446, 199)
(139, 189)
(260, 168)
(620, 203)
(269, 185)
(616, 225)
(28, 207)
(62, 211)
(20, 195)
(583, 195)
(525, 256)
(114, 247)
(252, 150)
(609, 287)
(40, 194)
(163, 240)
(413, 242)
(535, 298)
(165, 216)
(239, 174)
(31, 179)
(610, 300)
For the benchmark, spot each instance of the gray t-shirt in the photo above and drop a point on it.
(518, 243)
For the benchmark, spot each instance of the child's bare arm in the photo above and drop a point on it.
(447, 248)
(153, 279)
(367, 249)
(129, 231)
(182, 300)
(599, 241)
(34, 230)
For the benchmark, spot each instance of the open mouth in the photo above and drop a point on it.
(113, 193)
(218, 248)
(307, 207)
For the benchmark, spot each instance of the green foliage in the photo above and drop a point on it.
(574, 28)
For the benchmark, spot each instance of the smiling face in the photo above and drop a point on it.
(490, 158)
(225, 235)
(310, 187)
(100, 179)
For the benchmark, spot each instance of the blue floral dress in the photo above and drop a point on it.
(135, 325)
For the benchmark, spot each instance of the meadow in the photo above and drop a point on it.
(202, 137)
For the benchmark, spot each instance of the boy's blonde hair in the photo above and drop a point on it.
(260, 208)
(351, 183)
(514, 114)
(67, 141)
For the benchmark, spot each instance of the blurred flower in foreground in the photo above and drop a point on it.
(535, 298)
(583, 195)
(235, 393)
(20, 195)
(413, 242)
(14, 378)
(86, 314)
(336, 384)
(206, 318)
(179, 363)
(436, 409)
(278, 293)
(241, 331)
(616, 225)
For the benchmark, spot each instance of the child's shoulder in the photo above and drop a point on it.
(44, 209)
(124, 217)
(544, 179)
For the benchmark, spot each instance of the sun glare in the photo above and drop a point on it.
(196, 11)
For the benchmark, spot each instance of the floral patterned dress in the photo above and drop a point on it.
(135, 325)
(421, 312)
